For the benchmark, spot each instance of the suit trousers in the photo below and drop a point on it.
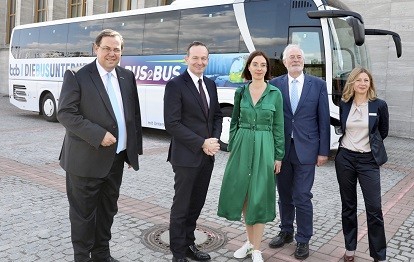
(191, 185)
(294, 185)
(92, 207)
(352, 167)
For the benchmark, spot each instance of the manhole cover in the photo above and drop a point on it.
(208, 239)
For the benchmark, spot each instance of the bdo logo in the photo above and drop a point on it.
(14, 71)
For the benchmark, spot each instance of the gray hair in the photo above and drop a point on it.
(290, 47)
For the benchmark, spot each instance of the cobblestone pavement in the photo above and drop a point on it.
(34, 224)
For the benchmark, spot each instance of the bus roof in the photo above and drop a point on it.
(195, 3)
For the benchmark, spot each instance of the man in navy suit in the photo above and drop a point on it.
(99, 108)
(193, 118)
(307, 139)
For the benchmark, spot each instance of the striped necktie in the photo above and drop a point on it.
(294, 96)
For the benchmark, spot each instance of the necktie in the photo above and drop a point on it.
(294, 97)
(118, 114)
(203, 96)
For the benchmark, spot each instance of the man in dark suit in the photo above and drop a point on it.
(99, 108)
(193, 118)
(307, 140)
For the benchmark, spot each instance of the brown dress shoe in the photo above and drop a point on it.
(348, 258)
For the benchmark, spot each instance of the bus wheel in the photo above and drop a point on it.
(224, 138)
(49, 108)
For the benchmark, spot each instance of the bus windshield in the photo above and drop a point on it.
(346, 55)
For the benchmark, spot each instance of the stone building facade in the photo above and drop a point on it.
(394, 77)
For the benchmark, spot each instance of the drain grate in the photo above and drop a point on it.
(208, 239)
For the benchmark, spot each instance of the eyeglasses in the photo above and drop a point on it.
(256, 65)
(107, 49)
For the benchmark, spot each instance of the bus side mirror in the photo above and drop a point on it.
(396, 37)
(358, 29)
(354, 20)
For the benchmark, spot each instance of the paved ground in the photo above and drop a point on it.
(34, 223)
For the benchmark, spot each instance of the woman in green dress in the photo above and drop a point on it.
(256, 151)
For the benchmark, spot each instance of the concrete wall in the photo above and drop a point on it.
(394, 77)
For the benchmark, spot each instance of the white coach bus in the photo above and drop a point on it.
(156, 39)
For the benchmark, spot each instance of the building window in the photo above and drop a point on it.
(11, 18)
(119, 5)
(165, 2)
(41, 11)
(77, 8)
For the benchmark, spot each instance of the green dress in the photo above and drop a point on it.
(256, 141)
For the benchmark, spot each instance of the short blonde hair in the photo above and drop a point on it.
(349, 92)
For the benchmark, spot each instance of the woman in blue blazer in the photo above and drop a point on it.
(364, 121)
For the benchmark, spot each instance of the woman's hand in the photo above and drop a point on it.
(278, 166)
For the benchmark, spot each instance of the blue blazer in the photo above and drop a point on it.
(310, 123)
(186, 122)
(378, 121)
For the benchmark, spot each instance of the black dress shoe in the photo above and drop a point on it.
(197, 255)
(109, 259)
(179, 259)
(281, 239)
(302, 250)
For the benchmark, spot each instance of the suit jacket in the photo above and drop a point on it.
(86, 112)
(310, 123)
(186, 122)
(378, 124)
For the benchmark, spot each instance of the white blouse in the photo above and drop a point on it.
(356, 136)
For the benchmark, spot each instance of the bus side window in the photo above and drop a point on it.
(15, 44)
(161, 33)
(52, 41)
(29, 43)
(219, 21)
(79, 38)
(132, 30)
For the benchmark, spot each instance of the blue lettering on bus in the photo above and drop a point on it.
(41, 70)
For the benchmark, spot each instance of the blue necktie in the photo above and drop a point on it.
(294, 96)
(118, 114)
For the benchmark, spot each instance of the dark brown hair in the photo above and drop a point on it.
(110, 33)
(195, 43)
(246, 73)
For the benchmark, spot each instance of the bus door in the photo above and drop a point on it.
(311, 42)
